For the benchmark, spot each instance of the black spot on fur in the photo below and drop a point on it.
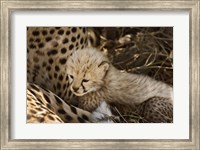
(48, 68)
(41, 53)
(58, 85)
(33, 111)
(73, 39)
(44, 64)
(68, 33)
(86, 40)
(59, 94)
(62, 61)
(41, 45)
(73, 109)
(68, 118)
(65, 41)
(40, 119)
(52, 31)
(33, 92)
(33, 104)
(57, 28)
(48, 39)
(61, 32)
(64, 86)
(71, 47)
(61, 111)
(77, 44)
(81, 42)
(50, 77)
(47, 98)
(81, 120)
(31, 40)
(55, 75)
(50, 117)
(52, 52)
(57, 68)
(36, 67)
(78, 36)
(82, 46)
(84, 30)
(38, 109)
(32, 46)
(38, 103)
(50, 60)
(58, 100)
(63, 50)
(60, 77)
(44, 32)
(49, 106)
(34, 87)
(37, 40)
(74, 30)
(85, 117)
(35, 33)
(59, 119)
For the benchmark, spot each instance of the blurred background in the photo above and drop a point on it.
(141, 50)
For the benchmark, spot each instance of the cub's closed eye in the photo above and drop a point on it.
(85, 80)
(71, 76)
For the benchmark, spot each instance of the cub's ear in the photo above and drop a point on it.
(104, 66)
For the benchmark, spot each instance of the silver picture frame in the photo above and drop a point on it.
(8, 7)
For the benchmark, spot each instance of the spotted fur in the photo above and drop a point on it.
(43, 106)
(46, 107)
(48, 49)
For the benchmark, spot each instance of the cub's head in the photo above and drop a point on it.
(86, 70)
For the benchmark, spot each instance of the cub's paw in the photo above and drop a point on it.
(102, 114)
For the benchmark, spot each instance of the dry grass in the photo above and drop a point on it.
(141, 50)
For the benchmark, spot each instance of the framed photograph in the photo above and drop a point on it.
(100, 74)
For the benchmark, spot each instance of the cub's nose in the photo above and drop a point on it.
(75, 89)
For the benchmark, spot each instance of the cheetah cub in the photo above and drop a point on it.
(94, 79)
